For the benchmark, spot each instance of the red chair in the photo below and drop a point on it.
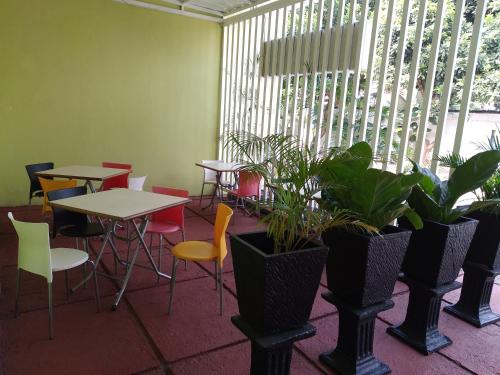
(248, 187)
(167, 221)
(118, 181)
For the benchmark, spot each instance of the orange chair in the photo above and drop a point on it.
(248, 187)
(50, 185)
(167, 221)
(118, 181)
(203, 251)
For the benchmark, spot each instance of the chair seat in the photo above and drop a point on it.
(65, 259)
(87, 230)
(162, 227)
(195, 250)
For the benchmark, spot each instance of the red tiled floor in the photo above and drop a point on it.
(234, 360)
(401, 359)
(33, 292)
(194, 326)
(140, 338)
(452, 297)
(85, 342)
(476, 349)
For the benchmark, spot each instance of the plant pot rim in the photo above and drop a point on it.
(398, 230)
(460, 220)
(238, 237)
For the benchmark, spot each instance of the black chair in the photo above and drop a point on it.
(35, 188)
(70, 223)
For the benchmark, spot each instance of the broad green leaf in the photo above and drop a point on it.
(471, 175)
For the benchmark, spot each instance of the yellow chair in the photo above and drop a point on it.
(204, 251)
(50, 185)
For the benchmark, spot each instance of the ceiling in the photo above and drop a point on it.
(210, 10)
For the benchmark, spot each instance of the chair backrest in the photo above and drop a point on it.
(51, 185)
(173, 214)
(118, 181)
(63, 218)
(34, 247)
(208, 174)
(222, 218)
(136, 183)
(32, 169)
(249, 183)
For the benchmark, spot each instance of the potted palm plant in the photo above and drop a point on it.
(482, 262)
(436, 252)
(362, 268)
(277, 272)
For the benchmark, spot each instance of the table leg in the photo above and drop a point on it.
(90, 185)
(140, 235)
(98, 258)
(217, 187)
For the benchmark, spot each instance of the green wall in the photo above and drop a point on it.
(83, 81)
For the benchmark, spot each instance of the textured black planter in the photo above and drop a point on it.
(434, 258)
(482, 265)
(362, 269)
(354, 351)
(275, 291)
(437, 251)
(361, 272)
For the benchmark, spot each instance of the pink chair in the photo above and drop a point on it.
(248, 187)
(167, 221)
(118, 181)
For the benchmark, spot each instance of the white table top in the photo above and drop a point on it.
(119, 204)
(218, 166)
(83, 172)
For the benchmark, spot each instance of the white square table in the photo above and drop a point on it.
(121, 205)
(219, 168)
(84, 172)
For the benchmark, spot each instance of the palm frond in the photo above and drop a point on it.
(451, 160)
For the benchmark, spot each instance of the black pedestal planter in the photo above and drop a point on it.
(420, 328)
(474, 304)
(354, 351)
(361, 271)
(272, 354)
(481, 266)
(275, 292)
(434, 258)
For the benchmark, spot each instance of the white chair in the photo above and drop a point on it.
(136, 183)
(36, 256)
(210, 178)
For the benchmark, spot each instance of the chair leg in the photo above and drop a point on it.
(18, 287)
(96, 286)
(66, 281)
(172, 285)
(184, 240)
(51, 328)
(201, 195)
(159, 256)
(220, 289)
(86, 249)
(216, 275)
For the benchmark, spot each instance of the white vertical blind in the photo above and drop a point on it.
(333, 72)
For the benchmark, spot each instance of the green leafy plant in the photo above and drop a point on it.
(491, 188)
(377, 197)
(434, 199)
(292, 172)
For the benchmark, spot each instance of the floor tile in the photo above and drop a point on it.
(194, 326)
(234, 360)
(86, 342)
(400, 358)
